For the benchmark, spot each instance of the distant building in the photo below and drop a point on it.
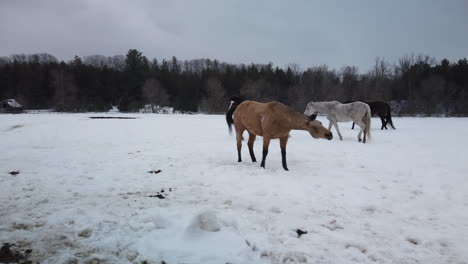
(10, 106)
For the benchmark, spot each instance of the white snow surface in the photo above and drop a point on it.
(84, 195)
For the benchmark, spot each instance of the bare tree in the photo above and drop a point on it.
(295, 68)
(155, 94)
(98, 61)
(214, 99)
(425, 59)
(117, 62)
(376, 84)
(65, 90)
(299, 97)
(349, 80)
(432, 94)
(42, 58)
(4, 60)
(382, 69)
(404, 64)
(255, 90)
(195, 66)
(19, 58)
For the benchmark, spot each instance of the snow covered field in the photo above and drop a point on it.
(84, 195)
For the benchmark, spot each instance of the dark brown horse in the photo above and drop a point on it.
(381, 109)
(270, 120)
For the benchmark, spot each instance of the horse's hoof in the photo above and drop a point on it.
(286, 169)
(359, 140)
(239, 161)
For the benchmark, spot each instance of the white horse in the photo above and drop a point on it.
(335, 111)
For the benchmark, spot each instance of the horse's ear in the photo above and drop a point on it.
(313, 116)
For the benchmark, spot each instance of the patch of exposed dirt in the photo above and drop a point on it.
(10, 254)
(413, 241)
(300, 232)
(161, 194)
(14, 173)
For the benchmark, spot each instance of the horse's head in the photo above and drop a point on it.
(310, 110)
(317, 130)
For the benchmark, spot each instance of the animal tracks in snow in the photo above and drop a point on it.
(88, 196)
(332, 225)
(360, 248)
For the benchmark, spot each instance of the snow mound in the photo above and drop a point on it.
(13, 103)
(207, 238)
(114, 109)
(205, 221)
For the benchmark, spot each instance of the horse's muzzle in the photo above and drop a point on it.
(329, 136)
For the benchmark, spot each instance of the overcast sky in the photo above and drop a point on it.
(304, 32)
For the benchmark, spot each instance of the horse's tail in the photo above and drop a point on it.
(235, 101)
(389, 118)
(367, 121)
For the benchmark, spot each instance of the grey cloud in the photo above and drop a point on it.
(306, 32)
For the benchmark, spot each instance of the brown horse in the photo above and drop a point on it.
(269, 120)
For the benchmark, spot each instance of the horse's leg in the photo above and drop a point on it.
(283, 142)
(239, 138)
(353, 126)
(330, 125)
(365, 134)
(361, 126)
(384, 122)
(389, 119)
(335, 124)
(266, 143)
(251, 144)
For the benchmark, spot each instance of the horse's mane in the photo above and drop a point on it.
(235, 102)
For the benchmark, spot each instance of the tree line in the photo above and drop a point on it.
(416, 84)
